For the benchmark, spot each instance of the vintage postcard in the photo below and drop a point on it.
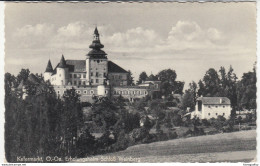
(130, 82)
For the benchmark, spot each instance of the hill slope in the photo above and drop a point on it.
(232, 147)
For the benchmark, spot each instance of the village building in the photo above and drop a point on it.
(94, 76)
(212, 107)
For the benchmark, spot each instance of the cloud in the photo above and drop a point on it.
(183, 37)
(33, 36)
(76, 35)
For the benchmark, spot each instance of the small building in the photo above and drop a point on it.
(212, 107)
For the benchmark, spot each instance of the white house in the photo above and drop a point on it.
(212, 107)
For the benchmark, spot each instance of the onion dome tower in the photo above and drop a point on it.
(96, 46)
(96, 62)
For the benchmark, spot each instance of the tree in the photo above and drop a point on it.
(142, 77)
(23, 75)
(189, 97)
(130, 79)
(168, 75)
(152, 78)
(85, 144)
(246, 91)
(228, 86)
(210, 85)
(168, 82)
(72, 120)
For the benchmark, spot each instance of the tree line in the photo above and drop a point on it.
(224, 83)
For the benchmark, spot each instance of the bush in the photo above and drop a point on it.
(172, 135)
(122, 142)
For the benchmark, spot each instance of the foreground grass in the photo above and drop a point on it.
(233, 147)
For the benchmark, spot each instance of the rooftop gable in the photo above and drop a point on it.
(214, 100)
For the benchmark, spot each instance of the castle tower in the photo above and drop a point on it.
(62, 72)
(48, 72)
(96, 62)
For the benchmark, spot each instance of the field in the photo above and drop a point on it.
(227, 147)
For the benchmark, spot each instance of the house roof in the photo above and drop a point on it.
(80, 66)
(114, 68)
(76, 65)
(214, 100)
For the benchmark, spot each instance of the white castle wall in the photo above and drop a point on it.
(87, 92)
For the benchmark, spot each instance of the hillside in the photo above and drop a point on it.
(230, 147)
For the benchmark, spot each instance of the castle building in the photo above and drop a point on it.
(94, 76)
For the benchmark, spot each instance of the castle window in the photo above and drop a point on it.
(91, 74)
(75, 82)
(209, 114)
(85, 92)
(75, 75)
(96, 74)
(84, 83)
(120, 77)
(58, 91)
(223, 114)
(104, 74)
(96, 80)
(105, 91)
(91, 81)
(216, 106)
(79, 82)
(84, 75)
(223, 106)
(91, 92)
(70, 75)
(98, 61)
(145, 92)
(216, 113)
(209, 106)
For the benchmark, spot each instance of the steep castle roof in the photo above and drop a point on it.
(214, 100)
(114, 68)
(49, 67)
(80, 66)
(62, 63)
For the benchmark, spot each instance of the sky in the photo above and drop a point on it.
(189, 38)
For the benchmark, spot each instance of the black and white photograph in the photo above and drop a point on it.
(96, 82)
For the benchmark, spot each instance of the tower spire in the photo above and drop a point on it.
(62, 63)
(96, 46)
(96, 41)
(49, 67)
